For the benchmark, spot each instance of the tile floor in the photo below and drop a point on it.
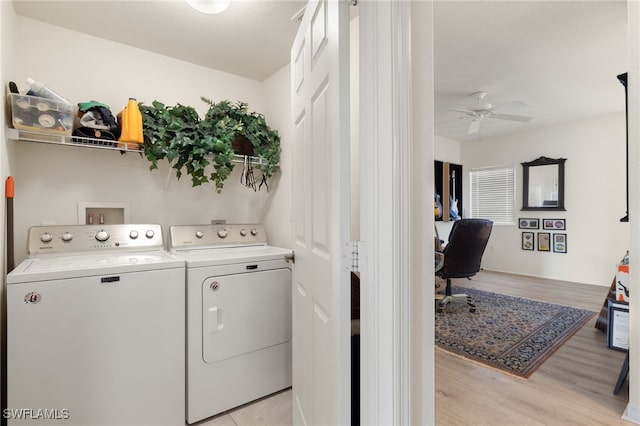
(274, 410)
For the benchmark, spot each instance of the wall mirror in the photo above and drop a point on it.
(543, 184)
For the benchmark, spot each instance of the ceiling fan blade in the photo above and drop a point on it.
(511, 117)
(514, 104)
(465, 111)
(474, 127)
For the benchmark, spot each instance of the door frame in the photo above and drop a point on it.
(397, 373)
(632, 411)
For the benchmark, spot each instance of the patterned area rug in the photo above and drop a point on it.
(509, 333)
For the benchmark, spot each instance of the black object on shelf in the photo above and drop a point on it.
(622, 78)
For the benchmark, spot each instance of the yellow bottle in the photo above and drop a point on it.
(130, 119)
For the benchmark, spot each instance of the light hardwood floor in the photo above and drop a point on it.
(573, 387)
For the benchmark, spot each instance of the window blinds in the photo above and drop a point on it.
(493, 194)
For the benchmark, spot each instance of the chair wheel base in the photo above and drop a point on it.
(472, 306)
(450, 298)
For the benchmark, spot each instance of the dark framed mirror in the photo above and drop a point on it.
(543, 184)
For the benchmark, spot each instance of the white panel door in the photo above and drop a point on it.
(321, 291)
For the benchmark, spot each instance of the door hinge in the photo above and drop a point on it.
(354, 255)
(291, 258)
(351, 2)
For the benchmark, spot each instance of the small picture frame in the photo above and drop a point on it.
(527, 223)
(554, 224)
(528, 241)
(560, 243)
(544, 241)
(618, 326)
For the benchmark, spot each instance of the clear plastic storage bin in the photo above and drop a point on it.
(41, 114)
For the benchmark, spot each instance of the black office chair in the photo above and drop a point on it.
(462, 256)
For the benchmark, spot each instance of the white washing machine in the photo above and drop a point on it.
(96, 328)
(238, 315)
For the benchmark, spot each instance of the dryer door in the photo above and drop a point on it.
(243, 313)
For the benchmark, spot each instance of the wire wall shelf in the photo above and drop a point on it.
(80, 141)
(62, 139)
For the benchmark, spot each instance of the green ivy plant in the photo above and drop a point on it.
(203, 147)
(231, 120)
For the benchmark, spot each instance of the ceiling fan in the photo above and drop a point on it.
(480, 110)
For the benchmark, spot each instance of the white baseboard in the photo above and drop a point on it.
(632, 414)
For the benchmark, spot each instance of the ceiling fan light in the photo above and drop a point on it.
(209, 7)
(484, 106)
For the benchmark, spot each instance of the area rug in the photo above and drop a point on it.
(508, 333)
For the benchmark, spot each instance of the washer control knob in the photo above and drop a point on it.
(102, 235)
(254, 231)
(243, 232)
(199, 234)
(46, 237)
(222, 233)
(149, 234)
(133, 235)
(67, 236)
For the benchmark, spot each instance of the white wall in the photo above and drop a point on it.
(50, 180)
(632, 412)
(447, 150)
(594, 198)
(277, 206)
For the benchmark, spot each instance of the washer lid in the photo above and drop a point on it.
(231, 255)
(51, 268)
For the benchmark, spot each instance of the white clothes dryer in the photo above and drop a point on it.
(238, 315)
(95, 328)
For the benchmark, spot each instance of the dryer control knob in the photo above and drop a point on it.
(133, 235)
(149, 234)
(243, 232)
(254, 231)
(46, 237)
(199, 234)
(222, 233)
(102, 235)
(67, 236)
